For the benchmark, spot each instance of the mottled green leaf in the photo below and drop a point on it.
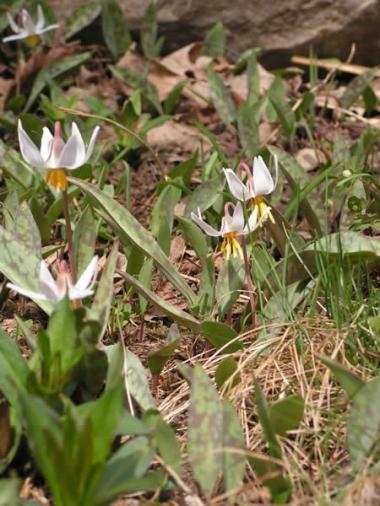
(101, 305)
(205, 441)
(214, 41)
(221, 97)
(363, 427)
(53, 70)
(157, 359)
(279, 102)
(229, 282)
(20, 266)
(136, 381)
(84, 239)
(82, 17)
(136, 233)
(234, 459)
(114, 28)
(172, 311)
(205, 195)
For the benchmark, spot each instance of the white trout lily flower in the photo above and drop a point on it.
(259, 183)
(29, 30)
(56, 290)
(231, 227)
(55, 155)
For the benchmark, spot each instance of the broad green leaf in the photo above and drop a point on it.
(114, 28)
(185, 169)
(263, 413)
(20, 266)
(157, 359)
(136, 381)
(219, 334)
(214, 41)
(163, 437)
(298, 180)
(173, 97)
(145, 278)
(225, 370)
(135, 233)
(13, 365)
(352, 247)
(234, 459)
(194, 236)
(364, 423)
(125, 471)
(84, 239)
(253, 79)
(351, 383)
(221, 97)
(284, 112)
(101, 305)
(286, 414)
(24, 229)
(173, 312)
(53, 70)
(205, 195)
(115, 357)
(205, 440)
(357, 87)
(248, 126)
(82, 17)
(228, 284)
(206, 132)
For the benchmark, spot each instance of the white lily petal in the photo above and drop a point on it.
(262, 180)
(47, 29)
(237, 222)
(88, 277)
(253, 224)
(239, 190)
(13, 24)
(40, 23)
(48, 284)
(91, 144)
(20, 36)
(28, 149)
(46, 145)
(208, 229)
(75, 294)
(27, 22)
(74, 153)
(27, 293)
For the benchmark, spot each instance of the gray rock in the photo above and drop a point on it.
(280, 27)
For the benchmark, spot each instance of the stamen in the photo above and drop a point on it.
(33, 40)
(259, 208)
(56, 178)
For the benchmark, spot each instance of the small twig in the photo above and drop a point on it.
(117, 125)
(69, 235)
(196, 500)
(350, 68)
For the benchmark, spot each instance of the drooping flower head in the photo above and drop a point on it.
(55, 155)
(29, 30)
(232, 226)
(259, 183)
(55, 290)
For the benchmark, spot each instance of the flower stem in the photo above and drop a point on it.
(69, 235)
(249, 282)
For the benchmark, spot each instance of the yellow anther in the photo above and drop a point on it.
(56, 178)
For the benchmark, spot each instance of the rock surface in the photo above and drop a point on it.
(280, 27)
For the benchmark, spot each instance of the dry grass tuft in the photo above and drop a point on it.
(315, 455)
